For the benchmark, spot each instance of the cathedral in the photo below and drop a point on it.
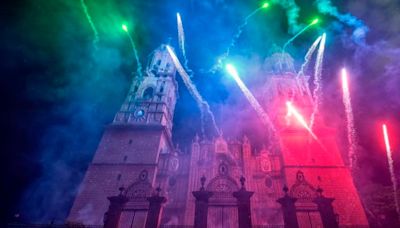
(138, 178)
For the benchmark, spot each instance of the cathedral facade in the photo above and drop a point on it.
(136, 160)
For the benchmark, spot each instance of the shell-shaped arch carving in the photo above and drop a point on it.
(222, 187)
(140, 189)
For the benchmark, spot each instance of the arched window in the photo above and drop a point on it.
(148, 93)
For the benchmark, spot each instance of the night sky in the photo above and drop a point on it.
(59, 89)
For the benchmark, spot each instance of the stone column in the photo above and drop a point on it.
(113, 214)
(201, 207)
(243, 200)
(325, 209)
(155, 204)
(288, 209)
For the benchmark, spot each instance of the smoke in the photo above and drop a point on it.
(360, 29)
(76, 90)
(89, 18)
(69, 139)
(292, 13)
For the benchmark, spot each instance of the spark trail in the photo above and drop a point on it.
(181, 37)
(308, 56)
(138, 64)
(315, 21)
(391, 168)
(307, 59)
(89, 18)
(317, 93)
(300, 118)
(351, 132)
(236, 37)
(252, 100)
(201, 103)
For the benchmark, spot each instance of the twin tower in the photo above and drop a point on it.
(136, 160)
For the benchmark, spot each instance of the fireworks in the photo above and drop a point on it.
(307, 59)
(138, 64)
(315, 21)
(317, 93)
(391, 168)
(201, 103)
(237, 36)
(89, 18)
(351, 133)
(252, 100)
(308, 56)
(181, 37)
(299, 117)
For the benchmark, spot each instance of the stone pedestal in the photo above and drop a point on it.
(113, 214)
(289, 210)
(326, 211)
(155, 204)
(201, 206)
(243, 200)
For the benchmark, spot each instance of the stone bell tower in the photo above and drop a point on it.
(135, 147)
(308, 163)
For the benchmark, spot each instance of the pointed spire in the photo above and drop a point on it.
(202, 181)
(285, 189)
(245, 139)
(158, 190)
(121, 190)
(196, 138)
(242, 181)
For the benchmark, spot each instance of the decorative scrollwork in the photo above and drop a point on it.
(302, 190)
(141, 189)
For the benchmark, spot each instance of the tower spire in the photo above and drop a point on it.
(147, 95)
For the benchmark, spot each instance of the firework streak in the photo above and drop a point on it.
(181, 37)
(252, 100)
(308, 56)
(300, 118)
(236, 37)
(135, 53)
(307, 59)
(89, 18)
(201, 103)
(351, 132)
(299, 33)
(391, 168)
(317, 93)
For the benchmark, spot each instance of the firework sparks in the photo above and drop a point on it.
(317, 93)
(89, 18)
(138, 64)
(201, 103)
(391, 168)
(314, 22)
(351, 132)
(293, 111)
(252, 100)
(308, 56)
(237, 36)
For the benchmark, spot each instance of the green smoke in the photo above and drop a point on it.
(326, 7)
(292, 13)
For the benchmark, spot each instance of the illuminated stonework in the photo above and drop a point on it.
(136, 152)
